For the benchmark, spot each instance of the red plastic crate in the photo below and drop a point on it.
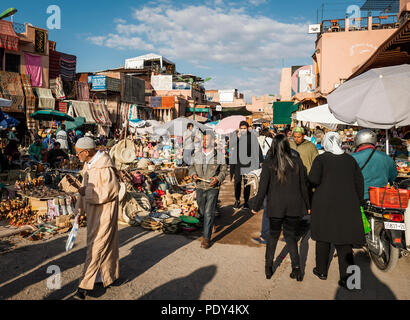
(391, 197)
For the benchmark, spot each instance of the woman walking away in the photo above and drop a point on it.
(283, 182)
(336, 215)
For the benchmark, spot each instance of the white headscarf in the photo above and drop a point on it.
(333, 143)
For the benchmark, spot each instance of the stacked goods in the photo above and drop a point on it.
(9, 208)
(43, 192)
(19, 213)
(186, 203)
(151, 224)
(29, 184)
(402, 166)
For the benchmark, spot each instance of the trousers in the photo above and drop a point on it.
(291, 227)
(238, 188)
(344, 254)
(207, 200)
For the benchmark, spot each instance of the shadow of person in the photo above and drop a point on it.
(140, 259)
(371, 288)
(37, 254)
(230, 220)
(186, 288)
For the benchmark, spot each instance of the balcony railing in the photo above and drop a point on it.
(19, 27)
(359, 24)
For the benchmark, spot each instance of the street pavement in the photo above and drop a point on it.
(174, 267)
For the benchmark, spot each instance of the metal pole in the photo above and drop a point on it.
(387, 142)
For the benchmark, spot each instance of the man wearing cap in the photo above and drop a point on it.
(99, 200)
(306, 149)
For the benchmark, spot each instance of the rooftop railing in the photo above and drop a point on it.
(361, 23)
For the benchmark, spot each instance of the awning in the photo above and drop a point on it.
(282, 112)
(45, 98)
(197, 109)
(241, 111)
(8, 37)
(82, 109)
(320, 114)
(100, 114)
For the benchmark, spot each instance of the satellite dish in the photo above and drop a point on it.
(9, 12)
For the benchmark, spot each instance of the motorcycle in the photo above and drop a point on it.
(389, 238)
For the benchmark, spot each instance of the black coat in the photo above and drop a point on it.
(234, 158)
(289, 199)
(336, 215)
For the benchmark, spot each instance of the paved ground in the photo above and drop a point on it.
(158, 266)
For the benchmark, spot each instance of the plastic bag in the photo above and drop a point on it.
(73, 234)
(366, 223)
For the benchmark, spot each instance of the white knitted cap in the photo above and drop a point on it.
(85, 143)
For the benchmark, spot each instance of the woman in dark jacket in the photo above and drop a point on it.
(336, 215)
(283, 181)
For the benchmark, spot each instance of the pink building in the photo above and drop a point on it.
(262, 105)
(342, 48)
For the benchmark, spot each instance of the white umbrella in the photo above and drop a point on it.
(5, 102)
(378, 98)
(178, 126)
(321, 115)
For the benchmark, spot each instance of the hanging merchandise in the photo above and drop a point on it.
(68, 64)
(56, 86)
(30, 101)
(45, 98)
(40, 41)
(11, 89)
(34, 69)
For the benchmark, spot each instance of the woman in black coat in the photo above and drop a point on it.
(336, 215)
(283, 181)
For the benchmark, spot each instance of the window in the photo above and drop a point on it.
(12, 62)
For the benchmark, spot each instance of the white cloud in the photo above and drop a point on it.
(119, 20)
(214, 35)
(257, 2)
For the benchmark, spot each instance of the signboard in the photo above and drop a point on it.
(314, 28)
(226, 96)
(161, 82)
(99, 83)
(181, 86)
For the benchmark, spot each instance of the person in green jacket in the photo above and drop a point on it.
(381, 169)
(306, 149)
(35, 150)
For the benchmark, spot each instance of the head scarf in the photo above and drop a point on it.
(333, 143)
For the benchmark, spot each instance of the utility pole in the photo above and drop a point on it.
(323, 8)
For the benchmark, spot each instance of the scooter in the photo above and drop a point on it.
(389, 238)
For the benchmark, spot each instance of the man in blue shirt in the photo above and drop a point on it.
(380, 169)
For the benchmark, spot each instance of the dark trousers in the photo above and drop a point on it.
(265, 221)
(344, 254)
(207, 200)
(291, 227)
(238, 188)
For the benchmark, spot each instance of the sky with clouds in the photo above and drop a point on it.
(239, 44)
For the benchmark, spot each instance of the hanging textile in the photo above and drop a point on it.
(30, 101)
(83, 93)
(56, 86)
(34, 69)
(54, 67)
(63, 107)
(82, 109)
(156, 102)
(11, 88)
(68, 64)
(133, 90)
(168, 102)
(70, 90)
(40, 41)
(8, 37)
(45, 98)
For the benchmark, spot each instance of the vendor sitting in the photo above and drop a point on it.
(36, 150)
(56, 155)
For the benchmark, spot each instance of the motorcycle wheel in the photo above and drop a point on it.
(390, 255)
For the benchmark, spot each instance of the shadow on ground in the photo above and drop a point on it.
(186, 288)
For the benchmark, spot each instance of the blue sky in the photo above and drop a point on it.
(239, 44)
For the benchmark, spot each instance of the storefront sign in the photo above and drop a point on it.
(99, 83)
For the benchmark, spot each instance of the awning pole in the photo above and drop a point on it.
(387, 142)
